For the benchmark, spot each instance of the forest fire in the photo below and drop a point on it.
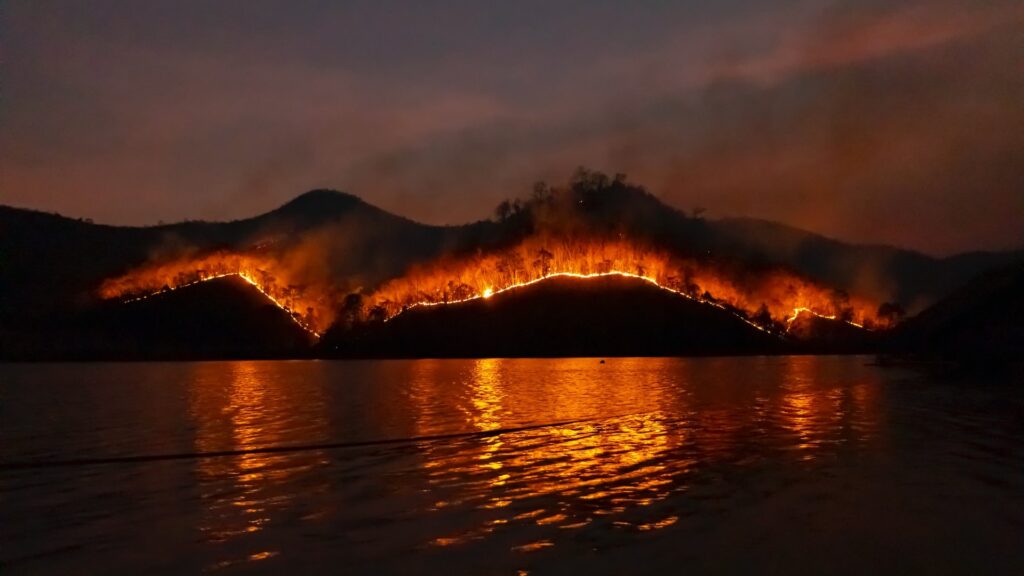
(800, 311)
(155, 279)
(769, 300)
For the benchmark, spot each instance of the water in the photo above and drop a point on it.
(784, 465)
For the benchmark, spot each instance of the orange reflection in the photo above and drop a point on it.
(646, 429)
(562, 476)
(816, 408)
(241, 406)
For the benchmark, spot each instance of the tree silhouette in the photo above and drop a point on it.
(377, 315)
(510, 267)
(352, 309)
(841, 305)
(503, 211)
(462, 291)
(542, 194)
(543, 262)
(762, 317)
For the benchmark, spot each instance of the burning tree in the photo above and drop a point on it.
(543, 262)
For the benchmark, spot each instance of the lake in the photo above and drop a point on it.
(528, 466)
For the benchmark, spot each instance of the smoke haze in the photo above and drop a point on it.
(867, 121)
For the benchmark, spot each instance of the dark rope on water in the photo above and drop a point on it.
(33, 464)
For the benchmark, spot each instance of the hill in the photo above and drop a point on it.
(886, 273)
(52, 266)
(980, 324)
(52, 262)
(565, 316)
(222, 318)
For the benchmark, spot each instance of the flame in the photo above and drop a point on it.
(261, 272)
(770, 299)
(798, 311)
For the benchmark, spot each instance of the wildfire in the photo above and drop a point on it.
(152, 280)
(488, 292)
(798, 311)
(767, 299)
(770, 300)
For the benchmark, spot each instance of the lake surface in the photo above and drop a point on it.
(714, 465)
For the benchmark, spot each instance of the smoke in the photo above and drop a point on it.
(886, 126)
(867, 121)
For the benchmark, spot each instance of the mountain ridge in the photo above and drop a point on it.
(921, 278)
(54, 265)
(314, 201)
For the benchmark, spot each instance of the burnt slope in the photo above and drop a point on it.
(222, 318)
(562, 316)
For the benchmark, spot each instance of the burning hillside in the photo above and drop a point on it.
(596, 227)
(769, 299)
(563, 315)
(311, 307)
(329, 260)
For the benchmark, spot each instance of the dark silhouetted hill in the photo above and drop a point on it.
(51, 266)
(592, 201)
(222, 318)
(980, 324)
(561, 316)
(884, 273)
(828, 336)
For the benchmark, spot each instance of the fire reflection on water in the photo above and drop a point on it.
(237, 406)
(617, 471)
(820, 418)
(629, 447)
(562, 477)
(712, 463)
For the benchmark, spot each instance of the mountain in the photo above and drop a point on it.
(981, 324)
(565, 316)
(884, 273)
(53, 266)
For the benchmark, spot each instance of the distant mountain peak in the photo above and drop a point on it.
(321, 199)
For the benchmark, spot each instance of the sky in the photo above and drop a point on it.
(866, 120)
